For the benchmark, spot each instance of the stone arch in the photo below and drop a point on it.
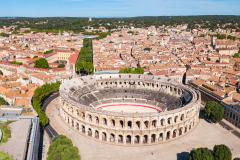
(180, 131)
(72, 123)
(174, 135)
(145, 139)
(182, 117)
(90, 118)
(129, 124)
(120, 139)
(96, 134)
(112, 137)
(137, 139)
(104, 136)
(186, 129)
(138, 124)
(113, 122)
(169, 120)
(154, 123)
(77, 126)
(83, 129)
(105, 121)
(168, 135)
(160, 137)
(83, 115)
(97, 120)
(175, 119)
(162, 122)
(153, 138)
(146, 124)
(128, 139)
(121, 123)
(89, 132)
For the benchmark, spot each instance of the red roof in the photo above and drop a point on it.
(73, 58)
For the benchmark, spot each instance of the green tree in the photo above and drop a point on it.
(62, 149)
(3, 101)
(137, 70)
(39, 95)
(214, 111)
(201, 154)
(222, 152)
(61, 65)
(41, 63)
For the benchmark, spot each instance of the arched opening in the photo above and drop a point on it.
(72, 123)
(121, 123)
(180, 131)
(128, 139)
(153, 138)
(190, 126)
(146, 123)
(77, 126)
(168, 135)
(96, 134)
(83, 115)
(169, 120)
(182, 117)
(154, 123)
(105, 121)
(104, 136)
(145, 139)
(83, 129)
(137, 140)
(160, 137)
(174, 133)
(89, 132)
(185, 129)
(175, 119)
(112, 137)
(138, 124)
(97, 120)
(129, 123)
(90, 118)
(113, 122)
(120, 139)
(162, 122)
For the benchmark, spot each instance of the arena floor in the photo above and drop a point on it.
(204, 135)
(128, 108)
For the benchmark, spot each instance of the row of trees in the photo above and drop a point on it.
(62, 149)
(137, 70)
(219, 152)
(39, 95)
(85, 60)
(56, 25)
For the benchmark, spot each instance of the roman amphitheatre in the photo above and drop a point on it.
(129, 109)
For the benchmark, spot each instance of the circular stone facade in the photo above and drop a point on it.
(129, 109)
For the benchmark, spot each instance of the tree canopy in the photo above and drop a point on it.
(137, 70)
(85, 60)
(222, 152)
(39, 95)
(214, 111)
(201, 154)
(41, 63)
(62, 149)
(3, 101)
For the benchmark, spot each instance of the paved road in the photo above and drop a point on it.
(204, 135)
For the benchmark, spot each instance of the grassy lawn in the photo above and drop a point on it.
(6, 132)
(5, 156)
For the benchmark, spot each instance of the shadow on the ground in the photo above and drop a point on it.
(182, 156)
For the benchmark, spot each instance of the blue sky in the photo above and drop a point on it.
(117, 8)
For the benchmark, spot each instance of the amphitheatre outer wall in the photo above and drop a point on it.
(123, 128)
